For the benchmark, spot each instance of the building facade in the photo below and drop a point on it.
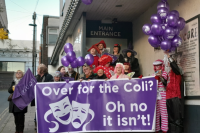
(49, 36)
(84, 25)
(15, 55)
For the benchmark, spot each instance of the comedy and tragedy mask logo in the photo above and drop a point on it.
(65, 113)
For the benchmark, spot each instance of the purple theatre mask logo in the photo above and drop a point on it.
(80, 114)
(65, 113)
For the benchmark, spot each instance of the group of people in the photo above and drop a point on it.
(115, 66)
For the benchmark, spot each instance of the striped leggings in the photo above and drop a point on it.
(161, 110)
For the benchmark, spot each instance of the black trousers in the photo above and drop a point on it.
(19, 121)
(174, 110)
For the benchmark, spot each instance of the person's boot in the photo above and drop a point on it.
(35, 125)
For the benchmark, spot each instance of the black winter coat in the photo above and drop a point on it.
(12, 107)
(134, 65)
(90, 77)
(45, 78)
(119, 60)
(75, 75)
(101, 77)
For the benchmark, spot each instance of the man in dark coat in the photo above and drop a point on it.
(88, 74)
(72, 74)
(43, 76)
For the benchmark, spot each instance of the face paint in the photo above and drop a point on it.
(80, 113)
(62, 111)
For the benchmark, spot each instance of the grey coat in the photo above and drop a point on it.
(12, 107)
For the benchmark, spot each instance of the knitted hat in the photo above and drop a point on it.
(104, 60)
(101, 42)
(95, 47)
(119, 47)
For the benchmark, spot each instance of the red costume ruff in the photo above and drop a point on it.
(173, 86)
(96, 62)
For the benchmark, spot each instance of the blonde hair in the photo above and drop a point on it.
(21, 72)
(43, 68)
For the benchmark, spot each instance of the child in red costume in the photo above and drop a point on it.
(94, 50)
(161, 109)
(105, 61)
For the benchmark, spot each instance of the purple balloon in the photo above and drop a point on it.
(163, 4)
(177, 31)
(74, 64)
(172, 20)
(165, 45)
(80, 61)
(176, 13)
(68, 47)
(87, 2)
(154, 41)
(147, 29)
(89, 59)
(176, 42)
(71, 56)
(155, 19)
(169, 33)
(157, 29)
(181, 23)
(163, 12)
(172, 49)
(164, 26)
(64, 61)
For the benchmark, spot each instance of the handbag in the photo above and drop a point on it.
(10, 97)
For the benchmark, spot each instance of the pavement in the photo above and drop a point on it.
(9, 126)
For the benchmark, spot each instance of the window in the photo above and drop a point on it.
(12, 66)
(52, 35)
(63, 7)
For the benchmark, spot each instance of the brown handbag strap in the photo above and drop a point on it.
(75, 76)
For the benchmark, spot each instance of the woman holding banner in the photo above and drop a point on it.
(19, 115)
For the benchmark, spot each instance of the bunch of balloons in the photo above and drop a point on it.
(70, 58)
(165, 28)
